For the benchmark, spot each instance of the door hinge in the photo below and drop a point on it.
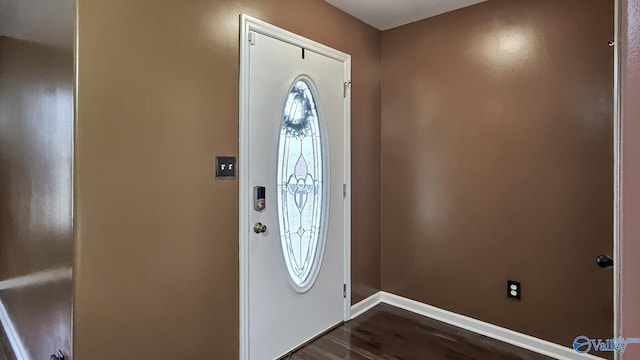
(344, 191)
(344, 291)
(252, 38)
(347, 85)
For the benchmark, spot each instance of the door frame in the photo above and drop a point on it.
(248, 24)
(619, 11)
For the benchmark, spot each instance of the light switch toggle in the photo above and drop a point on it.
(225, 167)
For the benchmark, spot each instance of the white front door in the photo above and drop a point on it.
(296, 162)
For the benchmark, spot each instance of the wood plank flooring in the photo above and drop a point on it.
(5, 349)
(389, 333)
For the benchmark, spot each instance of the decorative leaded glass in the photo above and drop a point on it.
(301, 184)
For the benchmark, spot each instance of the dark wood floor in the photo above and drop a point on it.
(5, 348)
(389, 333)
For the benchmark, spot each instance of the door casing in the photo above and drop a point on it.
(617, 169)
(248, 24)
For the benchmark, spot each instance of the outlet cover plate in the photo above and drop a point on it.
(518, 289)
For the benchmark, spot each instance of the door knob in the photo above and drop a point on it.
(258, 228)
(604, 261)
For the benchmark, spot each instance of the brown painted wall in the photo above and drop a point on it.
(497, 164)
(157, 236)
(36, 129)
(630, 243)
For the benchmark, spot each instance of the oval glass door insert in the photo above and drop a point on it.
(301, 186)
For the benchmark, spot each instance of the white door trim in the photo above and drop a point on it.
(617, 169)
(248, 24)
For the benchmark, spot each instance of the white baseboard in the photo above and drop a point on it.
(365, 305)
(17, 346)
(540, 346)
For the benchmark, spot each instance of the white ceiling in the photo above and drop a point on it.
(387, 14)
